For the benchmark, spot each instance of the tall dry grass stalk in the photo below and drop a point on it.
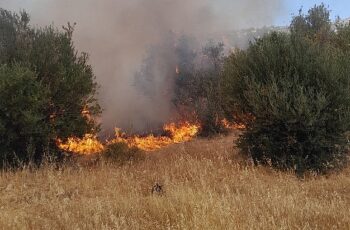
(206, 186)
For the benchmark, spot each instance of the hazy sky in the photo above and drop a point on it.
(338, 7)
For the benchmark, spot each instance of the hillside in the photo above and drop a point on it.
(206, 186)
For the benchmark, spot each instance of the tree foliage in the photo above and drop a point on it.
(23, 134)
(316, 25)
(296, 87)
(47, 84)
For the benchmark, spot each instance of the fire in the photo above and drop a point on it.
(182, 133)
(178, 133)
(147, 143)
(90, 144)
(87, 145)
(229, 125)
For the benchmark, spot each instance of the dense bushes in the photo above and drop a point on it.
(22, 130)
(290, 89)
(44, 85)
(296, 87)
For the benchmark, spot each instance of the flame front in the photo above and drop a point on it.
(148, 143)
(87, 145)
(182, 133)
(90, 144)
(178, 133)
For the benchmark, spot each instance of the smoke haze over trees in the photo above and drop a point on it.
(289, 88)
(118, 35)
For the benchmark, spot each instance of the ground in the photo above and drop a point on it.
(206, 185)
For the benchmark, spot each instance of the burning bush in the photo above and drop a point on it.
(198, 90)
(296, 86)
(45, 85)
(189, 82)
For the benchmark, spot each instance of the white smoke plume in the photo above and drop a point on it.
(117, 34)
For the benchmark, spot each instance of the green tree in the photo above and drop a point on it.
(316, 25)
(69, 78)
(62, 73)
(297, 90)
(342, 38)
(23, 132)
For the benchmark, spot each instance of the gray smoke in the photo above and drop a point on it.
(118, 33)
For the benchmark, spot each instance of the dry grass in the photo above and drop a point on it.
(206, 186)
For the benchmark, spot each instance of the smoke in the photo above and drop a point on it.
(118, 34)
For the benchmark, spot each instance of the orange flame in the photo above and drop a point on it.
(90, 144)
(178, 134)
(87, 145)
(148, 143)
(229, 125)
(183, 132)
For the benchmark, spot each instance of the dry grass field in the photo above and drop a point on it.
(206, 186)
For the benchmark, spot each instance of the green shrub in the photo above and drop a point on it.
(121, 153)
(298, 92)
(294, 88)
(23, 134)
(46, 84)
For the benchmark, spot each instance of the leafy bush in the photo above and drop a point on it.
(297, 90)
(316, 25)
(23, 134)
(121, 153)
(45, 86)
